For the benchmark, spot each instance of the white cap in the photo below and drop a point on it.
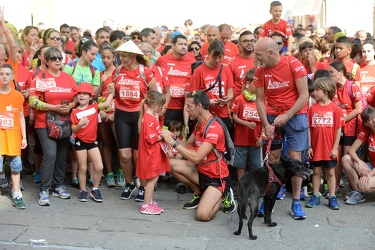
(130, 47)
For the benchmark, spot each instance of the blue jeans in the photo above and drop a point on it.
(15, 163)
(52, 168)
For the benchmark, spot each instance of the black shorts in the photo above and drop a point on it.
(347, 140)
(324, 164)
(81, 145)
(220, 184)
(126, 128)
(173, 115)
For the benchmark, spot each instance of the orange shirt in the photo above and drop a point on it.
(11, 105)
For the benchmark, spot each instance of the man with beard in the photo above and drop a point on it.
(243, 61)
(178, 68)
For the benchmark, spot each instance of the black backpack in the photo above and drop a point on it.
(229, 145)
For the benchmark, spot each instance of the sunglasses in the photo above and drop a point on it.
(135, 37)
(55, 38)
(279, 43)
(195, 48)
(54, 58)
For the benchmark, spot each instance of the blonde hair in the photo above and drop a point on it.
(153, 98)
(327, 85)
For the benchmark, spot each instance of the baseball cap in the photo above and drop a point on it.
(85, 87)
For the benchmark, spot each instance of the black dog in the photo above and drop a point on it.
(258, 183)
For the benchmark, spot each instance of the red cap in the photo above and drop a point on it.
(85, 87)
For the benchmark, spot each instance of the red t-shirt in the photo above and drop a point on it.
(230, 52)
(88, 132)
(70, 46)
(55, 90)
(370, 96)
(24, 81)
(152, 155)
(368, 135)
(324, 122)
(349, 68)
(279, 84)
(282, 26)
(104, 95)
(318, 65)
(367, 77)
(131, 88)
(215, 135)
(344, 101)
(239, 67)
(162, 81)
(247, 111)
(204, 77)
(179, 73)
(160, 49)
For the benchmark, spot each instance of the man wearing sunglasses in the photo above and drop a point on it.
(278, 38)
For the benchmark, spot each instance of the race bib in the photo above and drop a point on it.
(130, 92)
(6, 120)
(250, 114)
(86, 113)
(215, 91)
(322, 119)
(42, 85)
(177, 91)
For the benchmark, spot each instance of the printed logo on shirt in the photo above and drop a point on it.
(277, 85)
(60, 90)
(365, 78)
(127, 81)
(176, 72)
(299, 68)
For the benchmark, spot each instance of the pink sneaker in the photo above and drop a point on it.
(156, 205)
(150, 209)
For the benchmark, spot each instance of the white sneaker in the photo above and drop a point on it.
(355, 198)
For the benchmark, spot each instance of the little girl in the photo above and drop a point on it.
(152, 153)
(325, 121)
(84, 120)
(175, 127)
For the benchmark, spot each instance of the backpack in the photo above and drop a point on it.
(349, 90)
(92, 68)
(229, 145)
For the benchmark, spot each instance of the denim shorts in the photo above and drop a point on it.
(370, 166)
(295, 131)
(15, 163)
(248, 156)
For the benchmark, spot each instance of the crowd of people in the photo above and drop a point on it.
(145, 99)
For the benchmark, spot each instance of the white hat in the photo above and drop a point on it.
(130, 47)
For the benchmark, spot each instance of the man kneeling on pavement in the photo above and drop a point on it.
(203, 172)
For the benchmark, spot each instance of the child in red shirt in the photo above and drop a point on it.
(84, 120)
(326, 121)
(175, 127)
(276, 24)
(247, 134)
(152, 153)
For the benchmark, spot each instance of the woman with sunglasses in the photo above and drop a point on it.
(53, 39)
(195, 49)
(52, 90)
(132, 81)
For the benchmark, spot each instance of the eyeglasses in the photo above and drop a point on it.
(145, 51)
(136, 37)
(249, 41)
(57, 38)
(54, 58)
(279, 43)
(195, 48)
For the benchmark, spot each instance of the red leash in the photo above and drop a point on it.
(271, 174)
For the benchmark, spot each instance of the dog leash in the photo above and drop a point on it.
(272, 178)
